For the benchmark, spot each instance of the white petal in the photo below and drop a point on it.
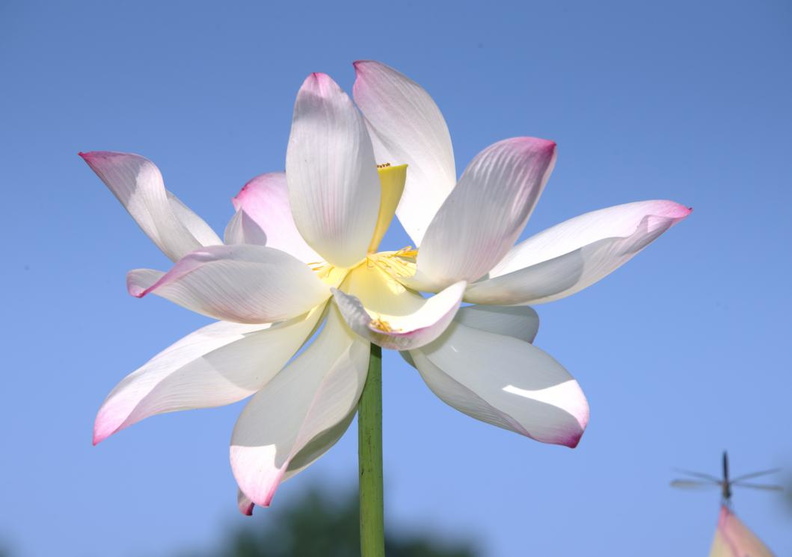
(216, 365)
(242, 283)
(520, 322)
(138, 185)
(484, 215)
(242, 229)
(402, 332)
(334, 189)
(407, 128)
(572, 255)
(265, 201)
(297, 416)
(505, 382)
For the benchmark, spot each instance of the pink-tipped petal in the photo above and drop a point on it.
(138, 185)
(216, 365)
(506, 382)
(575, 254)
(298, 415)
(244, 503)
(402, 332)
(407, 128)
(267, 218)
(485, 214)
(334, 188)
(734, 539)
(241, 283)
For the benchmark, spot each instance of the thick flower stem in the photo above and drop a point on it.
(372, 516)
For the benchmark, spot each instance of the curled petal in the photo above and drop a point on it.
(267, 217)
(505, 382)
(407, 128)
(334, 189)
(216, 365)
(242, 283)
(402, 332)
(298, 415)
(484, 215)
(572, 255)
(138, 185)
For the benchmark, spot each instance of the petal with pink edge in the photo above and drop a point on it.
(575, 254)
(241, 283)
(407, 331)
(297, 416)
(506, 382)
(244, 503)
(485, 214)
(334, 188)
(407, 128)
(216, 365)
(138, 185)
(264, 203)
(734, 539)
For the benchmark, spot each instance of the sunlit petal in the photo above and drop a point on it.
(483, 216)
(407, 128)
(506, 382)
(334, 189)
(242, 283)
(138, 185)
(287, 424)
(264, 217)
(216, 365)
(572, 255)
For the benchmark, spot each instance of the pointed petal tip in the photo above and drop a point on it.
(573, 440)
(100, 433)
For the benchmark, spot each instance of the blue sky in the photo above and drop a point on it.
(682, 353)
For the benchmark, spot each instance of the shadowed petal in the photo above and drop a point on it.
(242, 283)
(520, 322)
(216, 365)
(334, 189)
(572, 255)
(244, 503)
(266, 218)
(484, 215)
(505, 382)
(138, 185)
(402, 332)
(298, 415)
(407, 128)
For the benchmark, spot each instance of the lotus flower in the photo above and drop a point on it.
(300, 256)
(734, 539)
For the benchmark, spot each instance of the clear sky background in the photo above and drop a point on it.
(683, 353)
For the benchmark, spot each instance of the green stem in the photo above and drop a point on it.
(372, 516)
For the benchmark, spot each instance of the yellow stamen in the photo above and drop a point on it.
(382, 325)
(392, 180)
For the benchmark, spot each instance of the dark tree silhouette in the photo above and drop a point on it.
(319, 524)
